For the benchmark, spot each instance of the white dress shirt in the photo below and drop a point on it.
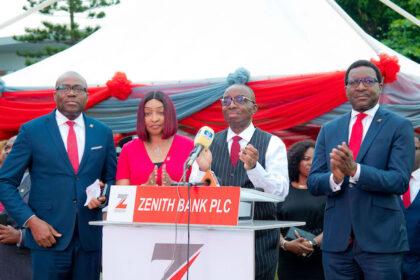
(414, 184)
(366, 122)
(79, 129)
(274, 179)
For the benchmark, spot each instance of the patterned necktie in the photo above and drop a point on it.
(356, 135)
(72, 146)
(234, 150)
(406, 198)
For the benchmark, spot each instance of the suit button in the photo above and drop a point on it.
(232, 174)
(77, 177)
(74, 200)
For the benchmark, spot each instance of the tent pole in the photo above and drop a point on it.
(27, 13)
(402, 12)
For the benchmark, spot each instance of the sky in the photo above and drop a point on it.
(11, 8)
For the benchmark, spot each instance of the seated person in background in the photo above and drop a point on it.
(300, 259)
(157, 156)
(15, 259)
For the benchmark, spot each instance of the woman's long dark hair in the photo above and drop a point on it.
(295, 155)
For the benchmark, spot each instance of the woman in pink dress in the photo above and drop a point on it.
(156, 158)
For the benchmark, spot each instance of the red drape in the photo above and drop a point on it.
(17, 108)
(282, 103)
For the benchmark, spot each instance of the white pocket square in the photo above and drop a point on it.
(96, 148)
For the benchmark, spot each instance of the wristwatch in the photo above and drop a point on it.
(313, 243)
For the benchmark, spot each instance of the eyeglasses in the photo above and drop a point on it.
(78, 90)
(367, 82)
(238, 100)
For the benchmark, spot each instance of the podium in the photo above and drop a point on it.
(141, 239)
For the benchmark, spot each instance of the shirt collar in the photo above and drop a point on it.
(246, 134)
(61, 119)
(416, 174)
(371, 112)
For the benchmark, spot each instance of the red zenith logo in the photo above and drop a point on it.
(175, 253)
(122, 205)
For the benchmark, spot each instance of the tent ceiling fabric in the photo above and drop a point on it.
(165, 40)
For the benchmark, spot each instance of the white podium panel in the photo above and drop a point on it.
(142, 241)
(150, 252)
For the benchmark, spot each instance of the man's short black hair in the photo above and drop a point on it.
(366, 63)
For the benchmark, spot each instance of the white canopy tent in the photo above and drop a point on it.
(156, 41)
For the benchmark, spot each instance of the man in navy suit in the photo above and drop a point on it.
(65, 151)
(365, 234)
(411, 207)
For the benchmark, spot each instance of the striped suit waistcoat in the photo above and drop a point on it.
(236, 176)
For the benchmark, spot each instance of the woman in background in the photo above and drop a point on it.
(157, 156)
(300, 258)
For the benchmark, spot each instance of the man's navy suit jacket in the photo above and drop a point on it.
(411, 265)
(57, 192)
(371, 207)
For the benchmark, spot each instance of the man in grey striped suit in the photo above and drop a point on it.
(246, 156)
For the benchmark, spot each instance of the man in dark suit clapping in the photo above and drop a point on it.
(364, 229)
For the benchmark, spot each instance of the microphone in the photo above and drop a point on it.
(202, 141)
(210, 180)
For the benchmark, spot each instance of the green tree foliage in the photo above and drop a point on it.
(386, 25)
(65, 34)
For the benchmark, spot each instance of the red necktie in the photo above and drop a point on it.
(72, 146)
(406, 197)
(234, 150)
(1, 207)
(356, 135)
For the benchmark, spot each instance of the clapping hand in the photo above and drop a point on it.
(342, 162)
(166, 179)
(152, 181)
(249, 156)
(338, 175)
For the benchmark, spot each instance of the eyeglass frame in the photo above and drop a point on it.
(363, 81)
(77, 91)
(233, 99)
